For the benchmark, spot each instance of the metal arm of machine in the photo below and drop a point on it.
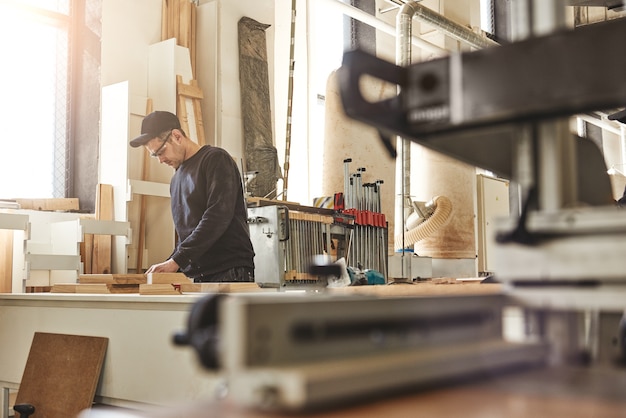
(471, 106)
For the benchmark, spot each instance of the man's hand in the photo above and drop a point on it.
(168, 266)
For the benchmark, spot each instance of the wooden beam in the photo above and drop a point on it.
(59, 204)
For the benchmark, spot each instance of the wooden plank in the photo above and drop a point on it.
(184, 25)
(6, 261)
(60, 204)
(86, 252)
(92, 288)
(168, 278)
(101, 259)
(123, 287)
(159, 289)
(174, 23)
(197, 111)
(181, 106)
(61, 373)
(234, 287)
(192, 44)
(420, 289)
(38, 289)
(113, 278)
(194, 93)
(164, 34)
(260, 201)
(190, 91)
(143, 202)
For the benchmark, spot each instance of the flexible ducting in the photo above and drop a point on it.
(439, 218)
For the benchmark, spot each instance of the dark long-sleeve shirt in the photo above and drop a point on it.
(209, 214)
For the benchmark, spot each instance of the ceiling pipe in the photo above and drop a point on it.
(408, 11)
(449, 27)
(381, 25)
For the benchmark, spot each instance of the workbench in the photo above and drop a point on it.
(142, 366)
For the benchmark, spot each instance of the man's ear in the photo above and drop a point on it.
(177, 135)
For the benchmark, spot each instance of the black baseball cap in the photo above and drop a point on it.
(154, 125)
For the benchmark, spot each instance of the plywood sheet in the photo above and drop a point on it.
(61, 373)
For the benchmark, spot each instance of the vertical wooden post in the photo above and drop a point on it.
(101, 259)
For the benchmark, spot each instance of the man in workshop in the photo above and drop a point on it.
(208, 205)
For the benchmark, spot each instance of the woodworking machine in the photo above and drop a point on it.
(561, 258)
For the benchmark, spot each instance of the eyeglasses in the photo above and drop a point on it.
(159, 151)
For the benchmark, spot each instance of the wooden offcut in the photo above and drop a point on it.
(168, 278)
(61, 374)
(160, 289)
(112, 278)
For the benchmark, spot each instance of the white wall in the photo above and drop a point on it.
(129, 29)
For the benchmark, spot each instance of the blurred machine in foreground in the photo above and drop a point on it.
(291, 351)
(505, 109)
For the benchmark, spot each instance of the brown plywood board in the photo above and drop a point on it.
(113, 278)
(61, 374)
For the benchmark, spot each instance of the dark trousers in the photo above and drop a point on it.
(235, 274)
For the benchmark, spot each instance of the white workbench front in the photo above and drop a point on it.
(142, 365)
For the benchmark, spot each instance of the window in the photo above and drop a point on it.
(34, 97)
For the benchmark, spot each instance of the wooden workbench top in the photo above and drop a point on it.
(546, 392)
(421, 289)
